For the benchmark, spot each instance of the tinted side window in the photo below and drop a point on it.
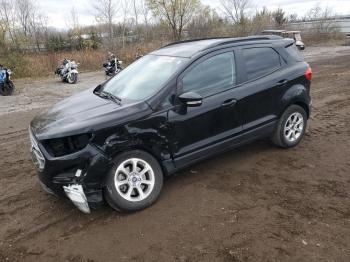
(216, 74)
(293, 51)
(260, 61)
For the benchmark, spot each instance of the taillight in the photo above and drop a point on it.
(308, 73)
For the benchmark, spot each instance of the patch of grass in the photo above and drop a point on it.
(43, 64)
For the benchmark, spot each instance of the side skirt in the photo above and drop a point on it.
(172, 166)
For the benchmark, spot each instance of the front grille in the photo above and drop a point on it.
(37, 156)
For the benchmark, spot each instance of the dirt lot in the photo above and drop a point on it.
(257, 203)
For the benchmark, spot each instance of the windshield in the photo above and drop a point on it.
(144, 77)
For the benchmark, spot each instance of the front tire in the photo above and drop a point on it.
(72, 78)
(7, 89)
(134, 182)
(291, 127)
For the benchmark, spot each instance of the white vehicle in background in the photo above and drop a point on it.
(287, 34)
(68, 71)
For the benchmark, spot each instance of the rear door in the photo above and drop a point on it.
(261, 84)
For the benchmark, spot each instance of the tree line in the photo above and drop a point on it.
(24, 26)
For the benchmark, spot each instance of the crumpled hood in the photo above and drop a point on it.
(85, 112)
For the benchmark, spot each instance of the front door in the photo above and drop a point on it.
(218, 118)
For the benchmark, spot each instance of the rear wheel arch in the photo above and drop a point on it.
(295, 95)
(304, 106)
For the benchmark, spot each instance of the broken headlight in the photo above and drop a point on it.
(67, 145)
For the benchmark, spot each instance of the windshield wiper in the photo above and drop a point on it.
(109, 96)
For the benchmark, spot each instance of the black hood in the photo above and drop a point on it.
(83, 113)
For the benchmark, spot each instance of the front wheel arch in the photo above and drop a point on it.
(145, 149)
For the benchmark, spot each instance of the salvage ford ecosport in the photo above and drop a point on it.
(173, 107)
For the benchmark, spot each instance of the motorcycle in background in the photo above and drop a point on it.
(112, 66)
(68, 71)
(6, 85)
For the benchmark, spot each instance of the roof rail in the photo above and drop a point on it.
(196, 40)
(228, 40)
(248, 39)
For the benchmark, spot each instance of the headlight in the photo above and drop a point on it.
(37, 156)
(67, 145)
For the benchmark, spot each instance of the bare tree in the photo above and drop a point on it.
(140, 12)
(39, 29)
(322, 19)
(235, 10)
(136, 11)
(7, 16)
(293, 18)
(176, 13)
(262, 20)
(207, 23)
(105, 12)
(73, 21)
(125, 12)
(280, 18)
(145, 12)
(2, 35)
(24, 12)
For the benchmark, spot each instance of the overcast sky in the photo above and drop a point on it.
(57, 10)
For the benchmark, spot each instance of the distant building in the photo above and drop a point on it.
(339, 23)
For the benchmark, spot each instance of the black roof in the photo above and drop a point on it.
(188, 48)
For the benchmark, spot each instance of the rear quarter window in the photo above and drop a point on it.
(260, 61)
(293, 51)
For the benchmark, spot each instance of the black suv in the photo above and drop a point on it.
(173, 107)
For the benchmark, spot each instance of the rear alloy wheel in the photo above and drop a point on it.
(291, 127)
(134, 182)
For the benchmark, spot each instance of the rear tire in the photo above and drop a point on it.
(291, 127)
(134, 182)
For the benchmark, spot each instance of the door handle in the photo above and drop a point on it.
(229, 103)
(282, 82)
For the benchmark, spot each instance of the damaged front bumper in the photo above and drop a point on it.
(76, 194)
(78, 176)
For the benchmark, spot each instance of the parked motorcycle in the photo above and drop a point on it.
(6, 85)
(112, 66)
(68, 71)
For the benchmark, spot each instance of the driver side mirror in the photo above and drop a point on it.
(191, 99)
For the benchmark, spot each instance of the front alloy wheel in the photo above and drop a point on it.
(134, 179)
(134, 182)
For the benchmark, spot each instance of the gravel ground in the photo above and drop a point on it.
(256, 203)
